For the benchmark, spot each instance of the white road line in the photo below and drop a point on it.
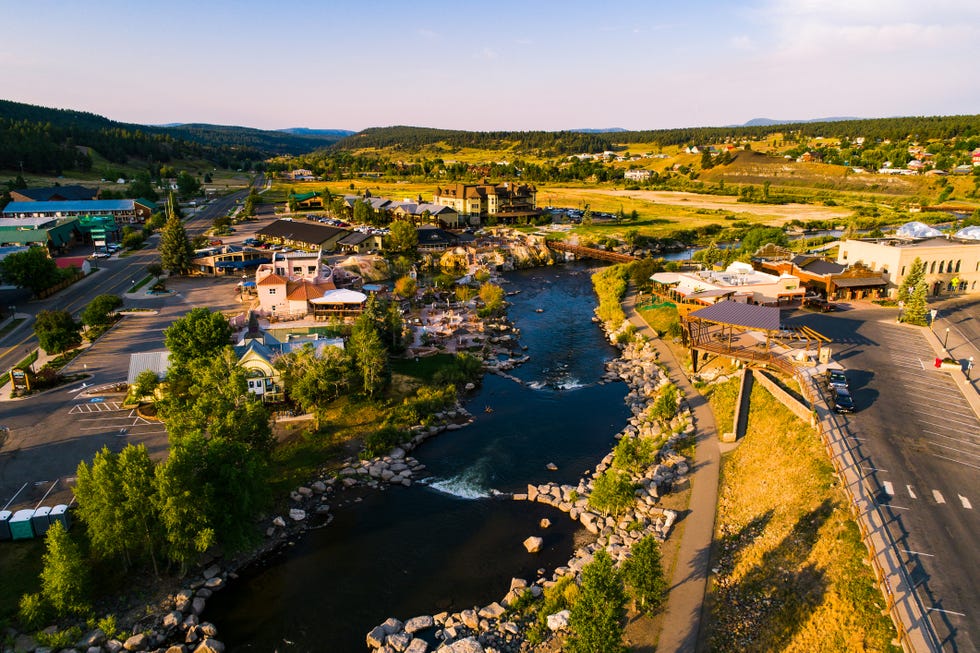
(971, 423)
(954, 460)
(889, 488)
(966, 502)
(918, 553)
(949, 437)
(874, 469)
(958, 614)
(938, 497)
(965, 453)
(911, 491)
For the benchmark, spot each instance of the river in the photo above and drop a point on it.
(447, 544)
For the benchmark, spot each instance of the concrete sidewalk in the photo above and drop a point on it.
(681, 631)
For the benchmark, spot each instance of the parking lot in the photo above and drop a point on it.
(920, 443)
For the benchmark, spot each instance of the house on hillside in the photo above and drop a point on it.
(311, 200)
(637, 175)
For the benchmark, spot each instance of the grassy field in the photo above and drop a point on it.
(791, 573)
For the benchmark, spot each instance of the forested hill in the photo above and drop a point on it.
(50, 141)
(410, 138)
(921, 128)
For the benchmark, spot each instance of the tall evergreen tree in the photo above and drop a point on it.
(913, 293)
(175, 248)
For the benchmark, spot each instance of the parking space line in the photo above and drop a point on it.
(937, 495)
(949, 437)
(966, 502)
(918, 553)
(972, 423)
(954, 460)
(911, 491)
(965, 453)
(889, 488)
(958, 614)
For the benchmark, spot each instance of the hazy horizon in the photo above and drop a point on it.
(510, 67)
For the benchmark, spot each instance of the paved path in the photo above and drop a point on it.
(682, 620)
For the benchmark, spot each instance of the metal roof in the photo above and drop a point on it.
(750, 316)
(857, 282)
(76, 206)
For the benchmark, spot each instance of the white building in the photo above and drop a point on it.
(739, 282)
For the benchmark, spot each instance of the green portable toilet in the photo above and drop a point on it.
(20, 525)
(40, 520)
(60, 513)
(5, 524)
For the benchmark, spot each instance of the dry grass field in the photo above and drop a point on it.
(788, 563)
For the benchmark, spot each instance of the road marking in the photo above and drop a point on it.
(898, 507)
(965, 453)
(954, 460)
(958, 614)
(938, 497)
(874, 469)
(966, 502)
(889, 488)
(950, 437)
(911, 491)
(921, 364)
(918, 553)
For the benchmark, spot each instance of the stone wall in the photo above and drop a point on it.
(797, 407)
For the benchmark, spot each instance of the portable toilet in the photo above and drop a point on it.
(41, 521)
(60, 513)
(5, 524)
(20, 525)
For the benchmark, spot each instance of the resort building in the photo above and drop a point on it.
(478, 202)
(295, 285)
(738, 282)
(122, 211)
(55, 235)
(302, 234)
(54, 194)
(821, 276)
(952, 263)
(228, 259)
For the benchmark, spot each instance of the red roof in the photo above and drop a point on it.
(66, 262)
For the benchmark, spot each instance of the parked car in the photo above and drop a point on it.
(217, 241)
(843, 402)
(836, 379)
(99, 253)
(819, 304)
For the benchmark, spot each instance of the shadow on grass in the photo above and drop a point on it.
(766, 608)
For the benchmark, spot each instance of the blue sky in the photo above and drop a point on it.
(501, 65)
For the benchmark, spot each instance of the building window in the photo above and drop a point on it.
(958, 265)
(932, 268)
(903, 270)
(272, 291)
(941, 264)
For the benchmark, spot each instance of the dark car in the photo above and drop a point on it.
(836, 379)
(819, 304)
(843, 402)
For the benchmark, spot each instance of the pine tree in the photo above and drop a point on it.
(175, 249)
(64, 577)
(913, 293)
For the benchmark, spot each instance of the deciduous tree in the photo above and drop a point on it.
(597, 614)
(64, 575)
(644, 575)
(199, 334)
(402, 237)
(33, 269)
(57, 331)
(98, 312)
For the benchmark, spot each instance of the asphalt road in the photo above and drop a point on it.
(50, 433)
(921, 445)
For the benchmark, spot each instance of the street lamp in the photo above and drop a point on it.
(946, 338)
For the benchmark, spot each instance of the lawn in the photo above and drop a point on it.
(660, 318)
(791, 573)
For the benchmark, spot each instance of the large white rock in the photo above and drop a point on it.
(558, 621)
(416, 624)
(296, 514)
(533, 544)
(468, 645)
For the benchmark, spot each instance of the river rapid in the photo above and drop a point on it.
(447, 543)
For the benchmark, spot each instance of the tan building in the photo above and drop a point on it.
(286, 286)
(739, 282)
(475, 203)
(952, 264)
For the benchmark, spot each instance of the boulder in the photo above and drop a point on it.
(113, 646)
(137, 642)
(558, 621)
(279, 522)
(197, 605)
(416, 624)
(172, 619)
(24, 643)
(468, 645)
(417, 646)
(211, 584)
(296, 514)
(304, 491)
(97, 637)
(532, 492)
(208, 629)
(545, 523)
(376, 638)
(470, 619)
(533, 544)
(392, 626)
(211, 572)
(551, 467)
(319, 487)
(210, 646)
(492, 611)
(399, 641)
(177, 648)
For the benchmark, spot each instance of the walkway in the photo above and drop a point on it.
(685, 604)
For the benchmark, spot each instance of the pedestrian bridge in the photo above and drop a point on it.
(590, 252)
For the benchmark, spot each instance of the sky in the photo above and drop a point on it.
(496, 65)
